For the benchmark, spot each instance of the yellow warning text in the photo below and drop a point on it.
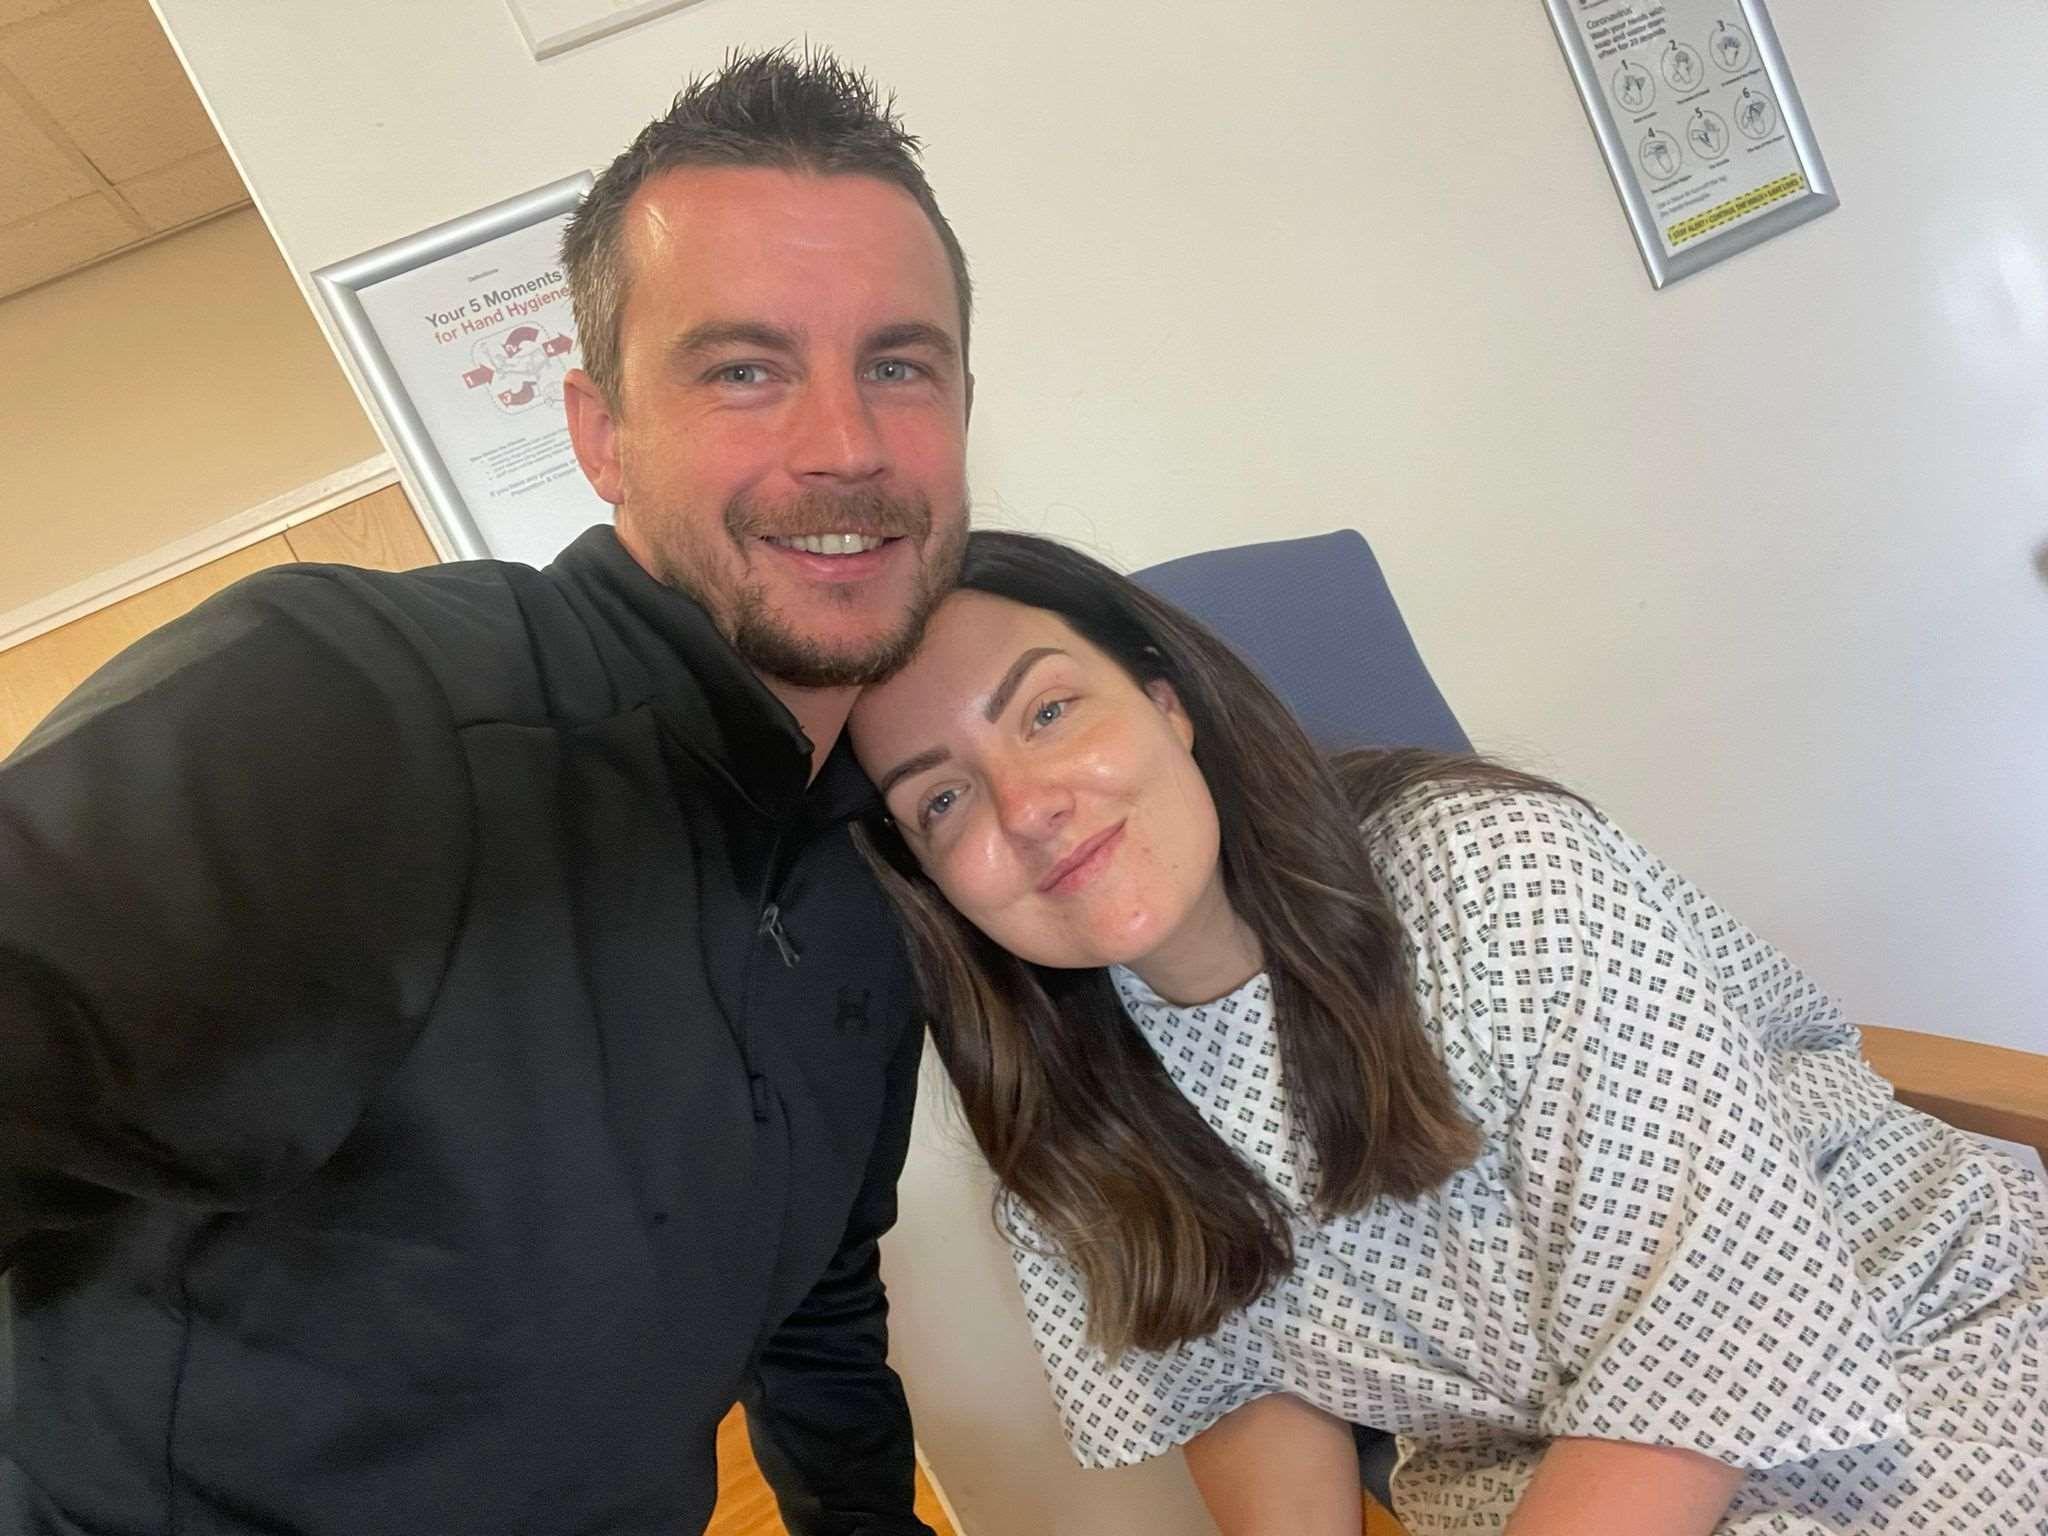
(1726, 213)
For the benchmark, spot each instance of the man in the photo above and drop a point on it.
(449, 1050)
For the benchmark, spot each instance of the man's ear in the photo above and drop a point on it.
(594, 430)
(1161, 693)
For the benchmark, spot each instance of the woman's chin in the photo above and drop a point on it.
(1089, 954)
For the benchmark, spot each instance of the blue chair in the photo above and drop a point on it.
(1315, 618)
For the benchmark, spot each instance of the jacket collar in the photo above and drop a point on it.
(662, 651)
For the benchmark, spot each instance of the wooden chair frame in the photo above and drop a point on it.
(1988, 1089)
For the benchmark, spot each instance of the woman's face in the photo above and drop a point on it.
(1054, 801)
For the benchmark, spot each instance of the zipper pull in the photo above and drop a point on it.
(771, 928)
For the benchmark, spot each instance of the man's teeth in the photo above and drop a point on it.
(833, 543)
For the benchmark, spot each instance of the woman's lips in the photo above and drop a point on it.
(1077, 866)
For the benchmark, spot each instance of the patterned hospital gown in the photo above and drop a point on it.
(1699, 1219)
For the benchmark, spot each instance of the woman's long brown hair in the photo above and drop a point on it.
(1171, 1230)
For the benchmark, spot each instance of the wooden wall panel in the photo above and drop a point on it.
(378, 531)
(38, 673)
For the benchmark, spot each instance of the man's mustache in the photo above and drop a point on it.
(869, 512)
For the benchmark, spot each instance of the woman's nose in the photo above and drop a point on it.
(1030, 805)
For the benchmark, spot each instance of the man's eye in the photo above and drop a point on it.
(937, 806)
(740, 373)
(894, 370)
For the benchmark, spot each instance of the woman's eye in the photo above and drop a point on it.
(1047, 712)
(937, 806)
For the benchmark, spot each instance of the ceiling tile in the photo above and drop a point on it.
(189, 190)
(59, 240)
(106, 73)
(39, 175)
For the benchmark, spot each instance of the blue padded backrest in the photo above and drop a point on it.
(1314, 617)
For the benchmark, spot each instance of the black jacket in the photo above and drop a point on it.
(447, 1055)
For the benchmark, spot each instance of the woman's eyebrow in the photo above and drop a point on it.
(931, 758)
(1001, 697)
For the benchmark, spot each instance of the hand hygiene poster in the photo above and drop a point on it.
(481, 341)
(1706, 141)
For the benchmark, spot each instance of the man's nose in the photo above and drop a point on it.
(835, 436)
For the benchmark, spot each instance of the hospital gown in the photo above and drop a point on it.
(1699, 1219)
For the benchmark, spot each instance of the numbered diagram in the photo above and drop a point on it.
(523, 368)
(1683, 66)
(1730, 47)
(1659, 155)
(1634, 87)
(1708, 132)
(1756, 115)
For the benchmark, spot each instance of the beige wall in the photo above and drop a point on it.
(154, 395)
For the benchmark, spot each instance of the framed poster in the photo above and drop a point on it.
(464, 333)
(555, 26)
(1706, 139)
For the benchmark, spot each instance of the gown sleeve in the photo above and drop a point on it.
(1691, 1286)
(1119, 1410)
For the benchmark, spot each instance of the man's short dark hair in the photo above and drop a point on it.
(786, 108)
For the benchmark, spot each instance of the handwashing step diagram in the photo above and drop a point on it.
(1701, 125)
(1695, 106)
(522, 367)
(1702, 136)
(1708, 133)
(1756, 117)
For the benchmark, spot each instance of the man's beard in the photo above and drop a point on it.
(776, 648)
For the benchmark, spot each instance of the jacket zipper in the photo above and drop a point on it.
(769, 927)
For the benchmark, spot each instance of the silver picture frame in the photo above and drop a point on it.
(1666, 265)
(458, 255)
(550, 27)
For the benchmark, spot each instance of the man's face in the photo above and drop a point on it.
(789, 445)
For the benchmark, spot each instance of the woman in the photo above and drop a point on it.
(1409, 1092)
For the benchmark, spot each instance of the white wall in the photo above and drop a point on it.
(1757, 560)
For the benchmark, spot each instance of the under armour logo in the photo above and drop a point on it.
(853, 1011)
